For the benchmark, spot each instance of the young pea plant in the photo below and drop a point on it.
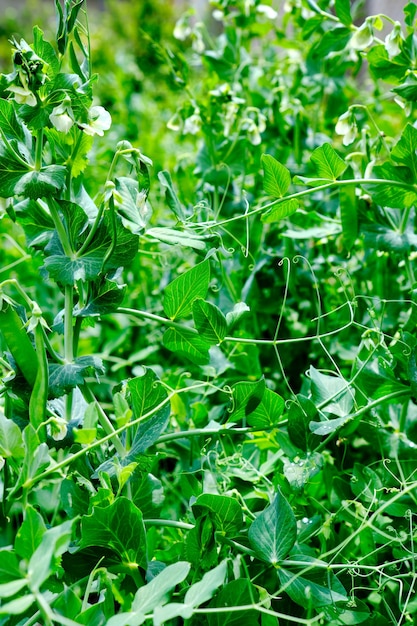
(48, 122)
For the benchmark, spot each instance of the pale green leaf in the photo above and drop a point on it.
(11, 440)
(277, 178)
(44, 561)
(329, 165)
(281, 210)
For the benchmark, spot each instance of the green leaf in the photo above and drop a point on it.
(277, 178)
(268, 412)
(300, 415)
(180, 294)
(390, 70)
(273, 533)
(171, 196)
(389, 195)
(232, 317)
(145, 394)
(327, 427)
(13, 166)
(185, 237)
(43, 183)
(404, 151)
(9, 566)
(152, 595)
(45, 51)
(104, 297)
(329, 165)
(226, 512)
(63, 378)
(187, 342)
(247, 396)
(281, 210)
(11, 440)
(131, 205)
(30, 533)
(239, 592)
(45, 560)
(9, 123)
(17, 606)
(333, 392)
(316, 587)
(203, 590)
(36, 457)
(118, 527)
(343, 11)
(209, 321)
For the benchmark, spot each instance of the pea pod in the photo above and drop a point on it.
(39, 395)
(18, 342)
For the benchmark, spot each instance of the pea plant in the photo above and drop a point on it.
(208, 397)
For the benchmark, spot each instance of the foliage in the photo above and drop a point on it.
(209, 374)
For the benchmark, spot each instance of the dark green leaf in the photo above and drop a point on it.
(300, 415)
(9, 566)
(316, 586)
(118, 527)
(209, 321)
(13, 166)
(9, 123)
(105, 296)
(349, 215)
(404, 151)
(240, 592)
(226, 512)
(30, 533)
(180, 294)
(268, 412)
(247, 396)
(63, 378)
(273, 533)
(343, 11)
(187, 342)
(277, 178)
(44, 183)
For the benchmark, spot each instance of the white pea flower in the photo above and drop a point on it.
(192, 125)
(393, 41)
(362, 37)
(62, 116)
(99, 121)
(266, 11)
(23, 95)
(175, 123)
(182, 28)
(347, 127)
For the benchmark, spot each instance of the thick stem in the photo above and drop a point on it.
(39, 149)
(68, 342)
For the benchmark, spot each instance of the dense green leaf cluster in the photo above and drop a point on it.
(208, 397)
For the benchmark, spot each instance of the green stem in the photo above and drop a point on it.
(68, 342)
(104, 421)
(306, 192)
(60, 229)
(92, 232)
(39, 149)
